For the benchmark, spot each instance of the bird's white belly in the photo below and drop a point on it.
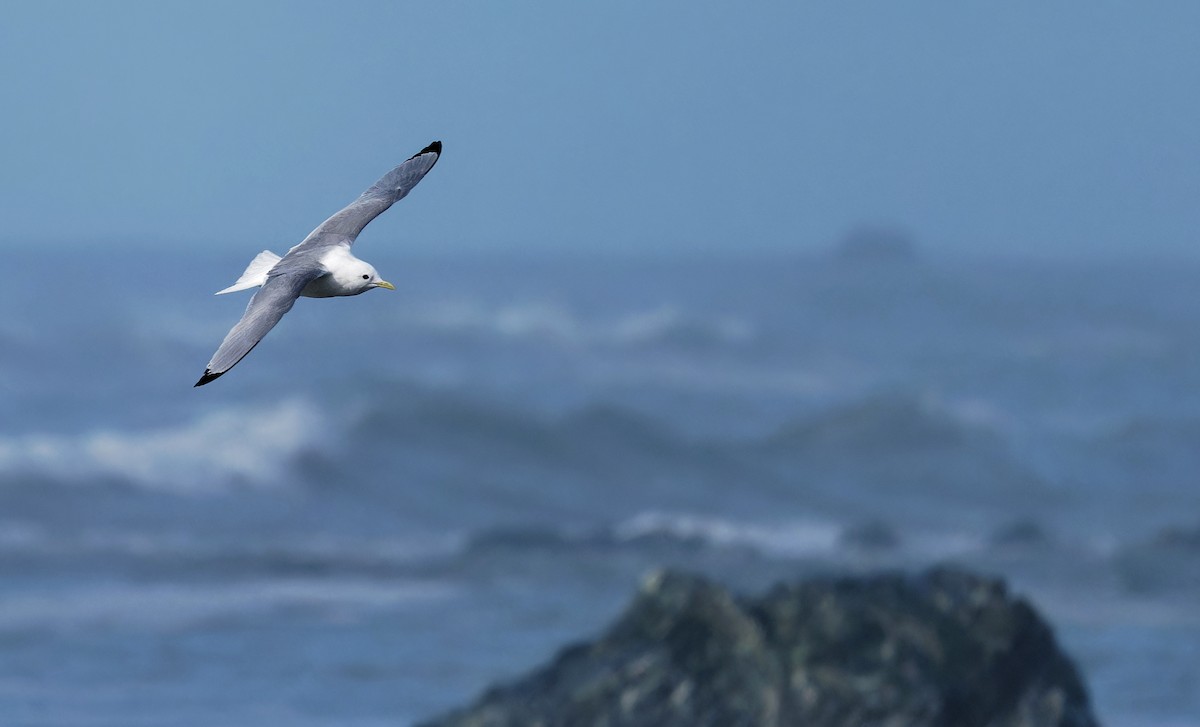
(340, 278)
(327, 286)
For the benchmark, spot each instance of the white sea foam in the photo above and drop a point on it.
(802, 538)
(176, 605)
(661, 324)
(250, 446)
(788, 539)
(669, 322)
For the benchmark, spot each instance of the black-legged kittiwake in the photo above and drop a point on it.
(321, 266)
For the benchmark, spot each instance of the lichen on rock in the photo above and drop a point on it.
(944, 648)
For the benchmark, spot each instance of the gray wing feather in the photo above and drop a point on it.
(345, 225)
(273, 299)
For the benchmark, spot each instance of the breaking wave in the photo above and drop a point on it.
(789, 539)
(174, 606)
(662, 325)
(245, 446)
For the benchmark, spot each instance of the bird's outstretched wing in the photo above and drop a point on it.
(268, 305)
(343, 227)
(302, 264)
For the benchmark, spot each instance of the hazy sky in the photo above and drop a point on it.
(1039, 127)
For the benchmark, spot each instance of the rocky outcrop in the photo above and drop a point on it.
(944, 648)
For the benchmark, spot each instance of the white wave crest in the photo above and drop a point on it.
(802, 538)
(230, 447)
(669, 323)
(788, 539)
(663, 324)
(172, 605)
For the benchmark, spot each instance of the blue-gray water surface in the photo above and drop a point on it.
(400, 498)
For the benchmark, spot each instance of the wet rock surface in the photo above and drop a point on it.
(944, 648)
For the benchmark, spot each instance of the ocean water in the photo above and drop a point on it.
(400, 498)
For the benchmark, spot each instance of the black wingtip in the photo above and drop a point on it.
(207, 377)
(435, 147)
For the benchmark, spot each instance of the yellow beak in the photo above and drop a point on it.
(385, 284)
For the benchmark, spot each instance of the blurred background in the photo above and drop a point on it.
(761, 292)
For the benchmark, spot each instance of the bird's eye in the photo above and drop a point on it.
(366, 277)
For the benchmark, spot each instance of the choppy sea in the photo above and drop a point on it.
(400, 498)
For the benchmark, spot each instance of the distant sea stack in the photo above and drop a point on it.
(876, 245)
(944, 648)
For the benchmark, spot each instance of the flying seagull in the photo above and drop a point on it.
(321, 266)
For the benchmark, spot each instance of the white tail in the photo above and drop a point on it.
(256, 273)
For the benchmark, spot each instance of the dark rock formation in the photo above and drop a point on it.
(945, 648)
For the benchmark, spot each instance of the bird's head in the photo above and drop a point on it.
(364, 276)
